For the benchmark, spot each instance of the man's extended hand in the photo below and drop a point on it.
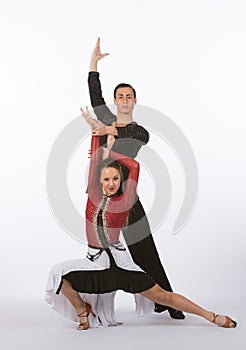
(94, 123)
(96, 56)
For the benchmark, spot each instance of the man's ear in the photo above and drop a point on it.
(114, 102)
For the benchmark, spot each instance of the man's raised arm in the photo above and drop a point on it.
(102, 112)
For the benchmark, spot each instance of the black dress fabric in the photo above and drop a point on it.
(108, 280)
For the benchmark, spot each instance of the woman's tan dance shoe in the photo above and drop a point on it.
(84, 323)
(229, 323)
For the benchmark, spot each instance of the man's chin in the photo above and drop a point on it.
(125, 111)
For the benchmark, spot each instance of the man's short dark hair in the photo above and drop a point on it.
(124, 85)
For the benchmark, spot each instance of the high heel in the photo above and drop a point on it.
(229, 323)
(84, 315)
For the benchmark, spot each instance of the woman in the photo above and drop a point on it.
(108, 266)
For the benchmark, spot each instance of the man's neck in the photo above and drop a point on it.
(124, 118)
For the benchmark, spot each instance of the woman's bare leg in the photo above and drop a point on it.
(72, 296)
(178, 302)
(81, 308)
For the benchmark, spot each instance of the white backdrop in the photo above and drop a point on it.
(186, 59)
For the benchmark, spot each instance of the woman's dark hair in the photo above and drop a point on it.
(111, 163)
(123, 85)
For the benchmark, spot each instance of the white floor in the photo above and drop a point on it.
(33, 325)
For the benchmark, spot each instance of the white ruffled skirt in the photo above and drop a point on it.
(103, 303)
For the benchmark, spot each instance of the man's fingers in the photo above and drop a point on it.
(83, 112)
(87, 111)
(86, 114)
(98, 43)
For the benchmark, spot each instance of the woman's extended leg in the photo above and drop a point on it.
(83, 309)
(177, 301)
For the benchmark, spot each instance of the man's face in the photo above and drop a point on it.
(124, 100)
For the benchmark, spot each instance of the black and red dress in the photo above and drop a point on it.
(108, 265)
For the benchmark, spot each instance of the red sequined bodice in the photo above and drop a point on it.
(115, 208)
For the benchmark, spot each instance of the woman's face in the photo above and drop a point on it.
(110, 180)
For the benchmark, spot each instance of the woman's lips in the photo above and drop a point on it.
(111, 188)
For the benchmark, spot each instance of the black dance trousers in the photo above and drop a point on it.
(142, 247)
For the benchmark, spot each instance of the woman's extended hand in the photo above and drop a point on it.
(105, 130)
(100, 131)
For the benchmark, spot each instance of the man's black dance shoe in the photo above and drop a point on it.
(176, 314)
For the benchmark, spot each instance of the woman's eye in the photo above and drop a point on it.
(106, 179)
(116, 178)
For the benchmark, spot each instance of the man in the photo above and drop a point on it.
(125, 136)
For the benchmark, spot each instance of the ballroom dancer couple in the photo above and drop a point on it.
(84, 289)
